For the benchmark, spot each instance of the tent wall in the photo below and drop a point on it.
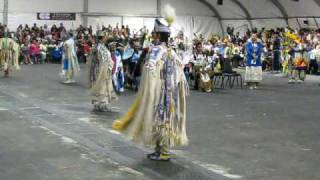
(269, 23)
(1, 10)
(229, 9)
(121, 7)
(189, 24)
(97, 22)
(310, 23)
(148, 7)
(261, 8)
(25, 11)
(1, 5)
(31, 6)
(193, 15)
(197, 25)
(188, 7)
(301, 8)
(239, 25)
(297, 23)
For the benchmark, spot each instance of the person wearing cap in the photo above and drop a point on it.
(254, 50)
(101, 76)
(158, 115)
(70, 65)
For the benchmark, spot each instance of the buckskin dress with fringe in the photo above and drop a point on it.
(158, 113)
(9, 55)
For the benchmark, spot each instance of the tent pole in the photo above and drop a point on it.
(85, 10)
(5, 11)
(122, 23)
(298, 23)
(159, 7)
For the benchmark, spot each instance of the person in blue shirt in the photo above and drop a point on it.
(117, 71)
(133, 65)
(56, 53)
(254, 50)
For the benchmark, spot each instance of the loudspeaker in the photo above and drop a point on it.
(220, 2)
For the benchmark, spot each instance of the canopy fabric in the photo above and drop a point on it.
(199, 16)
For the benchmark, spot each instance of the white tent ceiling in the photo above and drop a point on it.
(194, 15)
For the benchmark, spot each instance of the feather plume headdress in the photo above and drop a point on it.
(169, 14)
(169, 17)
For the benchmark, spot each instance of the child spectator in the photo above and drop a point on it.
(87, 50)
(25, 53)
(43, 52)
(34, 52)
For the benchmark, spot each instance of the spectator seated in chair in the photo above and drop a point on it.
(300, 65)
(34, 50)
(299, 72)
(56, 53)
(43, 52)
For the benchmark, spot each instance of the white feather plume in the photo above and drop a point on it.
(169, 14)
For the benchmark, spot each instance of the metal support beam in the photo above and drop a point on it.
(315, 20)
(122, 20)
(216, 13)
(257, 18)
(318, 2)
(245, 10)
(298, 22)
(5, 11)
(282, 10)
(85, 10)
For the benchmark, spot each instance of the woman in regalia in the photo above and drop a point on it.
(9, 55)
(158, 115)
(70, 65)
(253, 75)
(101, 76)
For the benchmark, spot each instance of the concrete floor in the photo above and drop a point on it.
(32, 152)
(269, 133)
